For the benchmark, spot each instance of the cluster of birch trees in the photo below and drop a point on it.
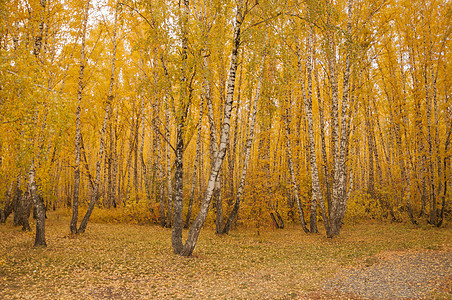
(252, 110)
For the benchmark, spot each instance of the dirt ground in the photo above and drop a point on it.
(410, 275)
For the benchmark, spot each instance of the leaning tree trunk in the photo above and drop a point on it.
(213, 148)
(232, 152)
(249, 143)
(110, 97)
(195, 228)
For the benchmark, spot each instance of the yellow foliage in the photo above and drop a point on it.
(131, 213)
(362, 206)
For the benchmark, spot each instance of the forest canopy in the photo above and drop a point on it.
(234, 113)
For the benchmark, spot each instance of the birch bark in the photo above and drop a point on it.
(339, 200)
(76, 191)
(249, 143)
(288, 140)
(213, 148)
(195, 167)
(195, 228)
(316, 190)
(109, 100)
(176, 236)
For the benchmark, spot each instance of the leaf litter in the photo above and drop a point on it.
(123, 261)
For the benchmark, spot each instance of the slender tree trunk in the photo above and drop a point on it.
(176, 237)
(9, 204)
(109, 199)
(110, 97)
(195, 167)
(316, 190)
(128, 169)
(309, 59)
(160, 184)
(114, 176)
(159, 164)
(40, 240)
(249, 143)
(16, 202)
(179, 188)
(81, 83)
(291, 166)
(169, 209)
(326, 172)
(135, 162)
(195, 228)
(147, 183)
(232, 153)
(331, 60)
(339, 197)
(25, 202)
(213, 150)
(218, 205)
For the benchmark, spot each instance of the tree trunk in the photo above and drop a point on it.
(213, 149)
(81, 84)
(17, 209)
(158, 166)
(249, 143)
(195, 228)
(114, 175)
(326, 170)
(179, 187)
(8, 205)
(195, 167)
(169, 196)
(339, 197)
(233, 151)
(40, 209)
(109, 100)
(181, 115)
(316, 190)
(135, 152)
(291, 166)
(109, 198)
(147, 183)
(25, 202)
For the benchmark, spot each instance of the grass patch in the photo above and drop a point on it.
(136, 261)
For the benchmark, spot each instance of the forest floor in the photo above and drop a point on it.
(123, 261)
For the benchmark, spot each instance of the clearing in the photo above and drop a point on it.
(124, 261)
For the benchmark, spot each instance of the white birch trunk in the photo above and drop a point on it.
(76, 191)
(292, 171)
(195, 167)
(195, 228)
(181, 114)
(316, 190)
(110, 97)
(169, 206)
(339, 197)
(249, 143)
